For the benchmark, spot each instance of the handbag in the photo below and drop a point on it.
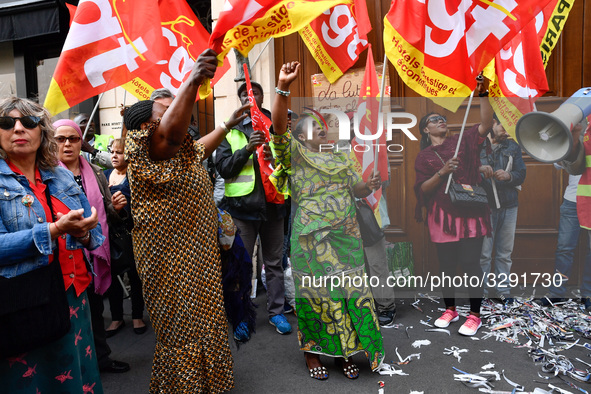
(121, 245)
(370, 230)
(466, 196)
(34, 308)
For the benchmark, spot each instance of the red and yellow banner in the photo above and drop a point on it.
(369, 125)
(337, 37)
(108, 41)
(244, 23)
(260, 122)
(111, 42)
(438, 48)
(185, 39)
(520, 76)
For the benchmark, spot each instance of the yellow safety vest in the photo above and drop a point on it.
(243, 183)
(584, 187)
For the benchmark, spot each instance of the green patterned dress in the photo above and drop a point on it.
(339, 320)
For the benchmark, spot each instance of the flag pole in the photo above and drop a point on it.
(123, 110)
(460, 138)
(382, 91)
(92, 115)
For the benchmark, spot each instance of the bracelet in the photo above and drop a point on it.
(282, 92)
(224, 127)
(483, 94)
(439, 173)
(58, 229)
(84, 238)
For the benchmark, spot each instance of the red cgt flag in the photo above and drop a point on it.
(108, 41)
(185, 39)
(369, 125)
(439, 47)
(111, 42)
(337, 37)
(261, 122)
(520, 67)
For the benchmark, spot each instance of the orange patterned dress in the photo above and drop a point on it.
(178, 259)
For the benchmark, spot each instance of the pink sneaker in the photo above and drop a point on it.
(449, 316)
(471, 326)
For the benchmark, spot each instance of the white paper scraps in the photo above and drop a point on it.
(455, 352)
(426, 323)
(488, 366)
(486, 351)
(388, 369)
(438, 330)
(517, 386)
(421, 342)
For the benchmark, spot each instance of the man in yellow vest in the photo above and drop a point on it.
(244, 199)
(579, 163)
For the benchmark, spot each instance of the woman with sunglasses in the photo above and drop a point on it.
(93, 183)
(458, 233)
(45, 217)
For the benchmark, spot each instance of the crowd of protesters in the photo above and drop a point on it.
(152, 216)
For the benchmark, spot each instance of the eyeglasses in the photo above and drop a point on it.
(436, 119)
(73, 139)
(8, 122)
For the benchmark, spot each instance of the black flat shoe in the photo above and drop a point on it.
(110, 333)
(140, 330)
(115, 366)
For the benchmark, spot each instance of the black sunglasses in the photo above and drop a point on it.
(8, 122)
(436, 119)
(73, 139)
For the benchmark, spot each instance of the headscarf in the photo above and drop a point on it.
(101, 256)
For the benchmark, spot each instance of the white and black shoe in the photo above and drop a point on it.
(386, 318)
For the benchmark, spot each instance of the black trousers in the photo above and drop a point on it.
(466, 254)
(97, 307)
(115, 294)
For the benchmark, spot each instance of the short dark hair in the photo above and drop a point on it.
(242, 87)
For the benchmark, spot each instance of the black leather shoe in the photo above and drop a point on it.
(115, 366)
(110, 333)
(140, 330)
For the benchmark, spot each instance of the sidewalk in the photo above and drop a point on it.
(272, 363)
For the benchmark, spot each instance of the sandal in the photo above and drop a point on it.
(350, 370)
(318, 373)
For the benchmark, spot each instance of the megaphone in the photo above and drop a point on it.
(547, 137)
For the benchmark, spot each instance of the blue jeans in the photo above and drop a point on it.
(568, 237)
(502, 240)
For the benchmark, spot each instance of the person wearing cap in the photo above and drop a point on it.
(245, 200)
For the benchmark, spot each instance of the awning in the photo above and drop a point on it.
(20, 19)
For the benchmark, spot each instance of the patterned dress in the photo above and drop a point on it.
(67, 365)
(339, 320)
(178, 260)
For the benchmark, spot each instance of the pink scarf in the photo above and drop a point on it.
(101, 256)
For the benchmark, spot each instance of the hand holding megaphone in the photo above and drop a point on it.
(550, 137)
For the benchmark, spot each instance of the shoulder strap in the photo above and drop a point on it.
(434, 151)
(53, 217)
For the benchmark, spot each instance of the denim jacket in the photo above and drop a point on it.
(25, 240)
(498, 160)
